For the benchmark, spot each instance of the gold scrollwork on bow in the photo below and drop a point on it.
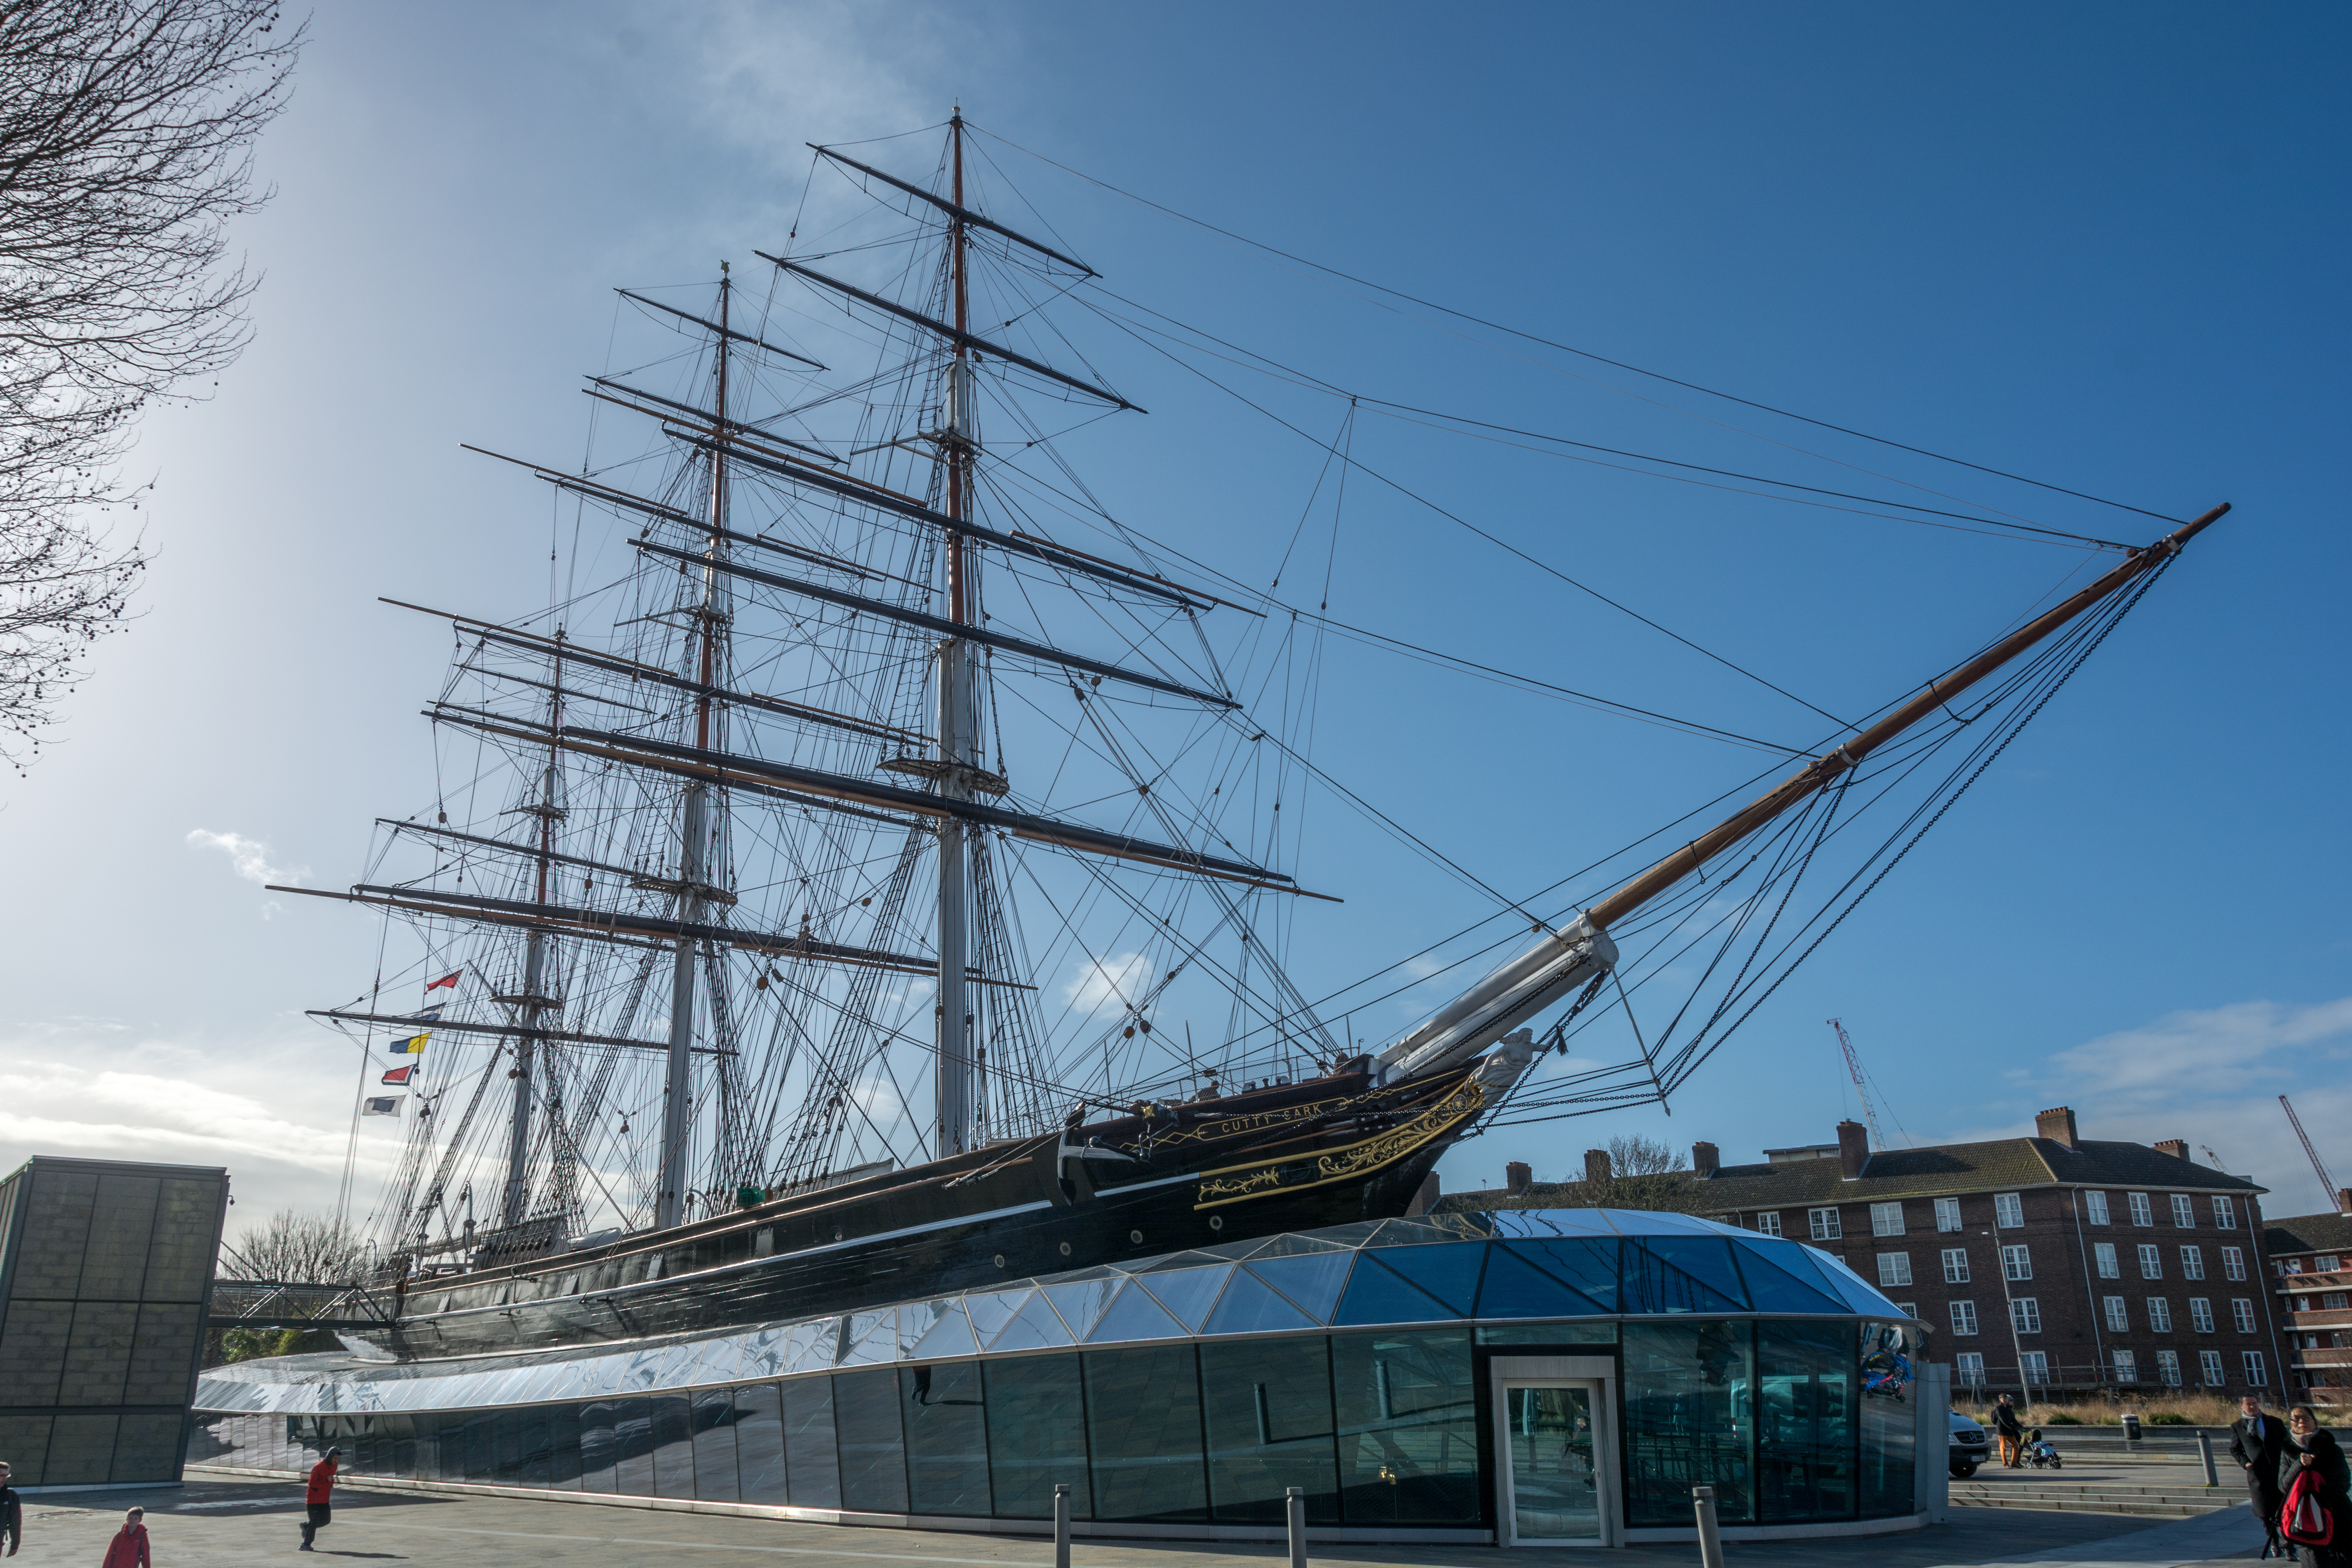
(1238, 1183)
(1236, 1126)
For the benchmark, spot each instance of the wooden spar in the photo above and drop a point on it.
(717, 326)
(439, 1025)
(1810, 778)
(1100, 561)
(705, 415)
(955, 210)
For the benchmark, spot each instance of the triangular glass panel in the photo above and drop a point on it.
(1250, 1307)
(992, 1310)
(1226, 1251)
(1649, 1222)
(1588, 1264)
(1679, 1274)
(1034, 1327)
(1378, 1294)
(873, 1337)
(1772, 1287)
(1355, 1233)
(1449, 1273)
(1553, 1222)
(916, 1319)
(1291, 1246)
(812, 1344)
(1135, 1316)
(1859, 1295)
(1409, 1233)
(952, 1335)
(1515, 1289)
(1311, 1280)
(1189, 1293)
(1082, 1302)
(1185, 1259)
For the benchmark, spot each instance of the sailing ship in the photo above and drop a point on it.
(747, 843)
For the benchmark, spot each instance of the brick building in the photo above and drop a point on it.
(2310, 1260)
(2051, 1262)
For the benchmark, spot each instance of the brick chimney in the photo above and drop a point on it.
(2176, 1147)
(1706, 1158)
(2057, 1124)
(1853, 1149)
(2344, 1202)
(1596, 1165)
(1518, 1177)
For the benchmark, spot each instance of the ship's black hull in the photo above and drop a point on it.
(1042, 1228)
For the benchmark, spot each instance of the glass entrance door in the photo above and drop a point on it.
(1555, 1479)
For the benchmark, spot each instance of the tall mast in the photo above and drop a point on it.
(694, 829)
(957, 720)
(535, 999)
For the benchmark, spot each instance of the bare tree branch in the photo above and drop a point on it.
(126, 137)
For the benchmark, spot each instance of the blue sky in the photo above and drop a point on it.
(2100, 245)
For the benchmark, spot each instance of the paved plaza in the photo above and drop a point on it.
(233, 1522)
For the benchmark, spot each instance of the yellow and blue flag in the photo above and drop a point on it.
(412, 1046)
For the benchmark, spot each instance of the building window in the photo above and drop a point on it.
(2192, 1263)
(2105, 1253)
(2292, 1266)
(2141, 1214)
(1893, 1268)
(2200, 1314)
(2008, 1210)
(2184, 1213)
(1956, 1265)
(2209, 1363)
(2017, 1263)
(2255, 1376)
(1963, 1317)
(2096, 1204)
(2025, 1315)
(2151, 1262)
(2241, 1312)
(2036, 1367)
(2225, 1215)
(1886, 1219)
(2126, 1367)
(1947, 1215)
(2117, 1318)
(1969, 1367)
(1767, 1223)
(2233, 1263)
(2167, 1368)
(2159, 1315)
(1909, 1309)
(2324, 1264)
(1825, 1224)
(2335, 1301)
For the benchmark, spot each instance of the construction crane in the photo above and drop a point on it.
(2326, 1182)
(2211, 1158)
(1853, 1067)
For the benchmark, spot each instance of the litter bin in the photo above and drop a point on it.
(2131, 1426)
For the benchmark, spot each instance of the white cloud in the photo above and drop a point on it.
(1101, 981)
(248, 857)
(2186, 1057)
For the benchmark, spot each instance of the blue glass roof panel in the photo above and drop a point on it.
(1082, 1302)
(1035, 1327)
(1860, 1296)
(1585, 1264)
(1679, 1274)
(1450, 1273)
(1188, 1293)
(1134, 1315)
(1517, 1289)
(952, 1335)
(1378, 1294)
(1780, 1279)
(1250, 1306)
(992, 1310)
(1311, 1280)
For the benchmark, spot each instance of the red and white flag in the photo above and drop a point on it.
(400, 1074)
(449, 980)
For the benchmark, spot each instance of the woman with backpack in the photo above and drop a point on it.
(2318, 1486)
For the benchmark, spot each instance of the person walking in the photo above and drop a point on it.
(319, 1499)
(12, 1511)
(2312, 1450)
(2011, 1432)
(129, 1547)
(2256, 1441)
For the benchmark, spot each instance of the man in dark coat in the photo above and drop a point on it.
(2255, 1442)
(2011, 1431)
(12, 1512)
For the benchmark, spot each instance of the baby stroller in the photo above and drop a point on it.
(2040, 1453)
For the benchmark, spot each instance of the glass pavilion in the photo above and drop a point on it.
(1525, 1377)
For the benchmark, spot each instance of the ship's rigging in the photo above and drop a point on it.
(840, 813)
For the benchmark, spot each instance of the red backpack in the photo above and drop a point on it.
(2304, 1519)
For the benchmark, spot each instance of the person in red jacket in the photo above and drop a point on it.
(129, 1547)
(320, 1498)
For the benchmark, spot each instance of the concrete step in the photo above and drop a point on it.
(2167, 1502)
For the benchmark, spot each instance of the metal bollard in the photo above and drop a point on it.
(1294, 1507)
(2205, 1452)
(1710, 1539)
(2131, 1426)
(1062, 1526)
